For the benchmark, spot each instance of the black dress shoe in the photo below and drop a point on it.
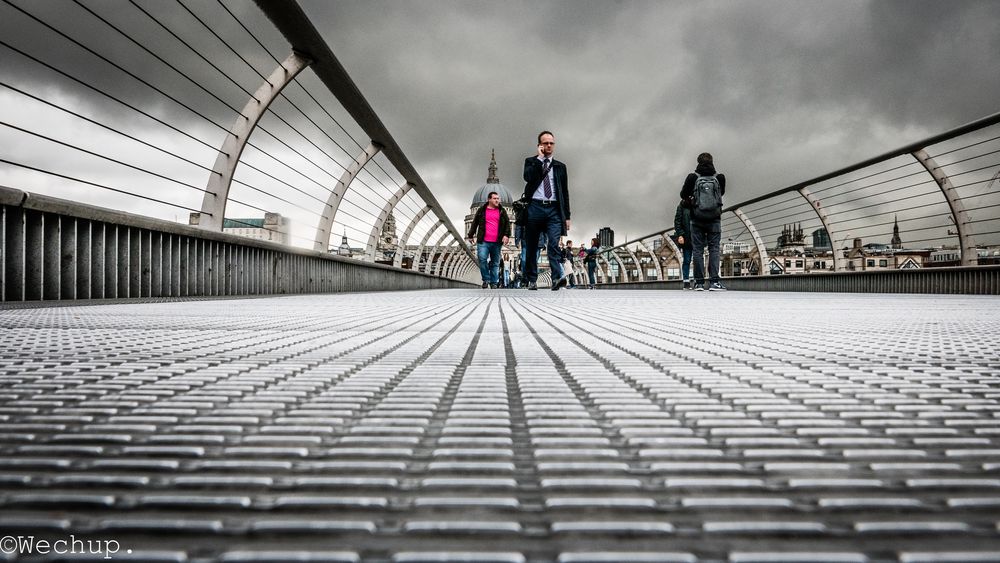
(561, 282)
(485, 285)
(533, 286)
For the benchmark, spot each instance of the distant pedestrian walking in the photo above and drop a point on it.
(590, 259)
(577, 258)
(489, 231)
(704, 189)
(682, 236)
(568, 269)
(547, 188)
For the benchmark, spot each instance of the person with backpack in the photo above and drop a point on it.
(682, 237)
(703, 189)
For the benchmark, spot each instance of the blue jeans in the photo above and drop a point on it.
(592, 272)
(543, 219)
(489, 261)
(524, 251)
(686, 263)
(702, 235)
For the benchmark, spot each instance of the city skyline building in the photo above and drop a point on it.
(606, 237)
(273, 227)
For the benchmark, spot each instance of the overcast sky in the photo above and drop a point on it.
(779, 91)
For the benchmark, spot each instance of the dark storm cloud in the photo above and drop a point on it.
(902, 61)
(93, 41)
(779, 91)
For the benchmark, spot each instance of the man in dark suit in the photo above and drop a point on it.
(547, 188)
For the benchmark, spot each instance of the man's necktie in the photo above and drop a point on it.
(545, 179)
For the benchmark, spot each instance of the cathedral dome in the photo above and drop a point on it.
(492, 185)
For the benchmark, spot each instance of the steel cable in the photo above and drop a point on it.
(89, 183)
(186, 44)
(108, 158)
(136, 139)
(183, 75)
(108, 127)
(109, 96)
(224, 42)
(318, 104)
(962, 148)
(119, 67)
(296, 107)
(853, 180)
(194, 51)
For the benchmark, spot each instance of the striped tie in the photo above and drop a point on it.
(545, 179)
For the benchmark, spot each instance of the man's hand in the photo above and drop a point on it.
(505, 239)
(567, 225)
(472, 241)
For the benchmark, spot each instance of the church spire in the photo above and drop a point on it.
(896, 242)
(492, 178)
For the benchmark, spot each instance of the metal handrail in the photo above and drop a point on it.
(292, 166)
(970, 127)
(928, 191)
(299, 30)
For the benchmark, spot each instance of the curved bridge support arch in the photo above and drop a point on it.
(397, 261)
(466, 269)
(678, 253)
(638, 265)
(622, 271)
(958, 213)
(606, 270)
(419, 258)
(758, 242)
(654, 258)
(213, 205)
(455, 268)
(821, 213)
(325, 228)
(383, 216)
(453, 258)
(449, 267)
(433, 266)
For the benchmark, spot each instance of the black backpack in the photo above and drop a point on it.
(706, 200)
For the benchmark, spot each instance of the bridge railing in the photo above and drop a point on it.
(930, 207)
(54, 249)
(225, 117)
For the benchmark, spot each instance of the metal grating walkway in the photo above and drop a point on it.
(461, 425)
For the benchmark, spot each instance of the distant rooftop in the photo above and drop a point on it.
(242, 223)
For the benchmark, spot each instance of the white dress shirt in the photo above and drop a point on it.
(540, 192)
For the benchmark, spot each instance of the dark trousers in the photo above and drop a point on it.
(686, 252)
(542, 218)
(709, 235)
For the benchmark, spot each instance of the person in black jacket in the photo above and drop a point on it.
(705, 232)
(546, 186)
(489, 231)
(682, 236)
(590, 259)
